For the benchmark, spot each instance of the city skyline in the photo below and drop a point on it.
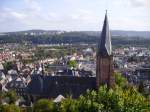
(74, 15)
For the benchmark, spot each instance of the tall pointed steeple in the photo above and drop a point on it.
(104, 67)
(104, 45)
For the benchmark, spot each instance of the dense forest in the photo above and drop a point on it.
(71, 37)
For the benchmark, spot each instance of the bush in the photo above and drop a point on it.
(68, 105)
(11, 95)
(9, 108)
(120, 80)
(43, 105)
(72, 64)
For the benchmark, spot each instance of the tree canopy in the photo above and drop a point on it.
(43, 105)
(72, 64)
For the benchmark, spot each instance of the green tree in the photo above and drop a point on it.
(120, 80)
(72, 64)
(68, 105)
(43, 105)
(134, 101)
(8, 65)
(110, 99)
(9, 108)
(88, 102)
(11, 95)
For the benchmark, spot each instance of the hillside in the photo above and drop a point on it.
(145, 34)
(54, 37)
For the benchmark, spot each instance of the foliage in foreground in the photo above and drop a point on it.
(122, 98)
(117, 100)
(43, 105)
(9, 108)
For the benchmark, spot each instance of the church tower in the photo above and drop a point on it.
(104, 62)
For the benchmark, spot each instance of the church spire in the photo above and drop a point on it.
(104, 61)
(104, 45)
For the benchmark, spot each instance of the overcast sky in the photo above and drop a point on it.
(16, 15)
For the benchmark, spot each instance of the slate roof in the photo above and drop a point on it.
(52, 86)
(15, 84)
(104, 44)
(2, 75)
(35, 86)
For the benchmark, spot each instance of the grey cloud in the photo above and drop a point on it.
(140, 3)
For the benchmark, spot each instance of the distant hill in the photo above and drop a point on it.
(145, 34)
(57, 37)
(34, 32)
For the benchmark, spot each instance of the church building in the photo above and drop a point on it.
(104, 62)
(53, 86)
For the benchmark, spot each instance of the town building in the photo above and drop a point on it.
(42, 86)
